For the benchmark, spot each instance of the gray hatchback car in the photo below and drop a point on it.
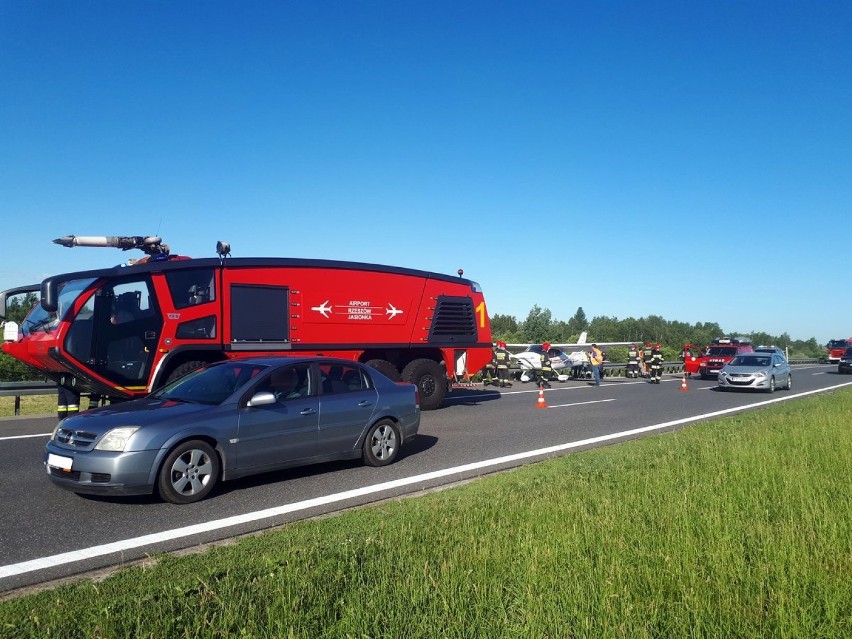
(759, 371)
(230, 420)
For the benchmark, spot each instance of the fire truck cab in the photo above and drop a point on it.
(836, 348)
(121, 332)
(721, 351)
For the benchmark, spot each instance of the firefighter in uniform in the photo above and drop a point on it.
(67, 403)
(546, 370)
(502, 357)
(490, 368)
(633, 361)
(646, 360)
(656, 364)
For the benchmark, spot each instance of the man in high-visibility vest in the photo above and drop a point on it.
(596, 361)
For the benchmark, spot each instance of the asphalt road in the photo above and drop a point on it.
(49, 534)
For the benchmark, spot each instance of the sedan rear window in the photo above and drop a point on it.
(751, 360)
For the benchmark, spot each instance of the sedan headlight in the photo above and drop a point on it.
(760, 374)
(117, 438)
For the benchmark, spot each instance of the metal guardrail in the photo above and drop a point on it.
(20, 389)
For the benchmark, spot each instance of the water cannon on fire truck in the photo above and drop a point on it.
(150, 245)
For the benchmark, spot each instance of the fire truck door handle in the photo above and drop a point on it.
(308, 411)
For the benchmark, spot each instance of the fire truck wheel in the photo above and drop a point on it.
(189, 473)
(385, 368)
(381, 445)
(184, 369)
(430, 380)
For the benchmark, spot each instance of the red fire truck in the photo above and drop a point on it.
(721, 351)
(836, 349)
(121, 332)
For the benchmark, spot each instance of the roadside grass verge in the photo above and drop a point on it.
(739, 527)
(31, 405)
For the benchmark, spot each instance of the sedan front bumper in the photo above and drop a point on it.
(96, 472)
(744, 381)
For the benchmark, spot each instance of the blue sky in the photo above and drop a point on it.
(617, 156)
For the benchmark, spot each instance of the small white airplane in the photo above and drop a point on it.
(392, 311)
(529, 360)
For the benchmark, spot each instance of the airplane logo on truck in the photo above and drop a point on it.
(392, 311)
(323, 308)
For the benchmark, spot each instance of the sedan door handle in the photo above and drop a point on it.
(365, 402)
(308, 411)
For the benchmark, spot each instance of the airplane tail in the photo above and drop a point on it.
(582, 338)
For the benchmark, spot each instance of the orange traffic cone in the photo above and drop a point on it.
(541, 403)
(683, 383)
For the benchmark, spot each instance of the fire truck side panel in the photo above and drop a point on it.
(296, 307)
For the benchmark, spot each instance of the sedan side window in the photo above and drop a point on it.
(289, 382)
(341, 378)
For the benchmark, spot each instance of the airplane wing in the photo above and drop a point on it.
(580, 343)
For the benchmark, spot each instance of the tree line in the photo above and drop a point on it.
(539, 327)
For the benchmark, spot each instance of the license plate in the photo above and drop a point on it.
(57, 461)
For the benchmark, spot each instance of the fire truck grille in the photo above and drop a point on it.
(453, 320)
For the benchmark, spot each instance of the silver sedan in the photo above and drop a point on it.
(230, 420)
(758, 371)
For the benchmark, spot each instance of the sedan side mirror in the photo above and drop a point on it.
(263, 398)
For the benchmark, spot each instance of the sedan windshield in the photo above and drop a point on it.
(212, 385)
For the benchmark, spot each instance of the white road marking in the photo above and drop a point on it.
(73, 556)
(594, 401)
(24, 436)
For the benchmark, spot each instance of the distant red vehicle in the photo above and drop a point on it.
(836, 348)
(719, 353)
(691, 356)
(124, 331)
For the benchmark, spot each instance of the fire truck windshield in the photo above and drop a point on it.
(722, 351)
(39, 319)
(837, 343)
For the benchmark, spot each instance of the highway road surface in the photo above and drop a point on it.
(49, 534)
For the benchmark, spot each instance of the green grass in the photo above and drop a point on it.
(31, 405)
(738, 527)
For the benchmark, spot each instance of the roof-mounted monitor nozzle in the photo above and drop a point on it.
(151, 245)
(460, 272)
(223, 250)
